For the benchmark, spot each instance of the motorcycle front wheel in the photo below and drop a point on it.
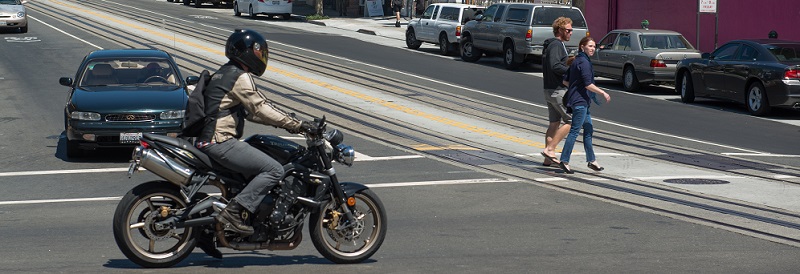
(135, 229)
(345, 243)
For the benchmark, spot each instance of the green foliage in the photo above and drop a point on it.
(317, 17)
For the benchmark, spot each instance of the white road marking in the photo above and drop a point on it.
(64, 32)
(686, 177)
(425, 183)
(66, 171)
(760, 155)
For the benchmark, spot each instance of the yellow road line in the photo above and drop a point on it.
(319, 83)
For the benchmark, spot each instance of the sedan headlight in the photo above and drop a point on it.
(88, 116)
(172, 114)
(20, 14)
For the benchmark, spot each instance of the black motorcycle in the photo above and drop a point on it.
(159, 223)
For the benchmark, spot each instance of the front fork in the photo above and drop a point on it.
(340, 198)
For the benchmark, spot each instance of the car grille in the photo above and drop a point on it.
(130, 117)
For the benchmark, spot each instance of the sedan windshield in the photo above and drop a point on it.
(121, 72)
(785, 52)
(10, 2)
(664, 41)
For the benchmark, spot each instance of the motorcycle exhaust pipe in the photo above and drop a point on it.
(166, 167)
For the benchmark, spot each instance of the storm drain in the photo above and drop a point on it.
(690, 181)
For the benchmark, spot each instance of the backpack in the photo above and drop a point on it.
(202, 107)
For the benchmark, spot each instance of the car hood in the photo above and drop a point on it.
(11, 9)
(114, 99)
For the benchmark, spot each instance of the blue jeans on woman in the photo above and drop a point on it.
(581, 118)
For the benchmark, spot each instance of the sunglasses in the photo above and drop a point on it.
(568, 30)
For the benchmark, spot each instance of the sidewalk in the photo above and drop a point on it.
(379, 26)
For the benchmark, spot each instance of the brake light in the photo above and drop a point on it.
(458, 31)
(144, 144)
(290, 1)
(792, 74)
(262, 1)
(529, 35)
(655, 63)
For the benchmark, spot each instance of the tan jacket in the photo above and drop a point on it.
(259, 110)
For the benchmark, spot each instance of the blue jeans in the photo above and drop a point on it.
(582, 117)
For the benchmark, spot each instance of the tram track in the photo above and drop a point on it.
(756, 220)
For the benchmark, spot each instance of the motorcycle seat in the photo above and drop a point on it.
(181, 143)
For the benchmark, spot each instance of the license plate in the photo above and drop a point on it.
(3, 23)
(129, 137)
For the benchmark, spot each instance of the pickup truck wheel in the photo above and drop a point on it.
(186, 2)
(686, 88)
(629, 80)
(250, 12)
(510, 59)
(444, 45)
(757, 102)
(236, 11)
(469, 52)
(411, 39)
(198, 3)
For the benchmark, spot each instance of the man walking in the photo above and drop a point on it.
(554, 65)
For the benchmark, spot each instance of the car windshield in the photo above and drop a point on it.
(785, 52)
(135, 72)
(10, 2)
(664, 41)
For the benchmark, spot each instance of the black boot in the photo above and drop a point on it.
(397, 24)
(232, 217)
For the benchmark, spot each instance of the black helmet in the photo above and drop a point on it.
(248, 48)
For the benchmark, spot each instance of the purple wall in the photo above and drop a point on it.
(738, 19)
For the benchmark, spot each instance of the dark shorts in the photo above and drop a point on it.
(397, 8)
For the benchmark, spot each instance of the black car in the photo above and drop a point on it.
(117, 95)
(761, 73)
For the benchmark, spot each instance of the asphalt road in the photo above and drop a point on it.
(461, 201)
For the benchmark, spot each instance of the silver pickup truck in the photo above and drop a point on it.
(516, 31)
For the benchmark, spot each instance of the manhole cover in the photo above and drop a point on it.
(696, 181)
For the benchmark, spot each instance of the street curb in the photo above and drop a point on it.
(315, 22)
(366, 31)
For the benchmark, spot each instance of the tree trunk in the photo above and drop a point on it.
(318, 7)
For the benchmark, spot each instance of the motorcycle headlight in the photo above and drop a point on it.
(172, 114)
(345, 154)
(88, 116)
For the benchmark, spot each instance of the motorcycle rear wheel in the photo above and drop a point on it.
(139, 239)
(354, 244)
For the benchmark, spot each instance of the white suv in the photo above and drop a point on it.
(440, 24)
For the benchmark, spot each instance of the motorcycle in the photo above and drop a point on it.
(159, 223)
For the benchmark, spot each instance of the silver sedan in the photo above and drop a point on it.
(641, 56)
(13, 15)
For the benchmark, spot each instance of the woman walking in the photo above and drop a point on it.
(581, 91)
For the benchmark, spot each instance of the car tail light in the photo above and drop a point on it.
(458, 31)
(262, 1)
(529, 35)
(792, 74)
(656, 63)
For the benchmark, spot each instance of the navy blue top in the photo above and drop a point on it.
(579, 75)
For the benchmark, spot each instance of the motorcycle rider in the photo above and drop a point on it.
(248, 54)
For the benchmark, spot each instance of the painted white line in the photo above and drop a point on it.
(574, 153)
(447, 182)
(64, 32)
(366, 158)
(687, 177)
(67, 171)
(784, 177)
(427, 183)
(761, 155)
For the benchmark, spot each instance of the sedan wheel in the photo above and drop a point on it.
(630, 83)
(686, 88)
(411, 39)
(236, 9)
(757, 102)
(250, 13)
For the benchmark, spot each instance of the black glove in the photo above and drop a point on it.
(305, 127)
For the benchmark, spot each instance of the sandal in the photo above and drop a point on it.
(595, 167)
(566, 169)
(553, 159)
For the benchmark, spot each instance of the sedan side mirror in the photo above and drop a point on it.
(192, 80)
(65, 81)
(705, 55)
(479, 17)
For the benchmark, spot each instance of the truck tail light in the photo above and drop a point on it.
(458, 31)
(792, 74)
(656, 63)
(529, 35)
(262, 1)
